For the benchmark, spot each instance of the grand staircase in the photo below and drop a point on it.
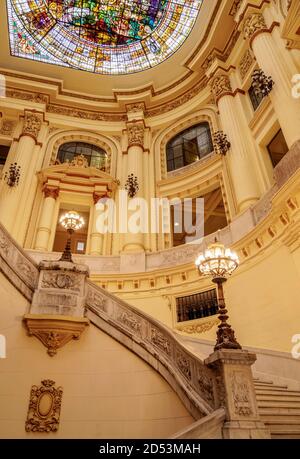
(279, 408)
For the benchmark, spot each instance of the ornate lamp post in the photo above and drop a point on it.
(219, 263)
(71, 221)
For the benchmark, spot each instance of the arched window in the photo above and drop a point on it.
(95, 156)
(189, 146)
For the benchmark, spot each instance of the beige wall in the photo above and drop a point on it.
(108, 391)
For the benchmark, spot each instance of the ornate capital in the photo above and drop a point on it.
(253, 24)
(98, 195)
(32, 124)
(51, 192)
(136, 134)
(220, 86)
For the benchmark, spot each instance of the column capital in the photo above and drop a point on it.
(51, 192)
(253, 25)
(99, 195)
(220, 86)
(32, 123)
(136, 133)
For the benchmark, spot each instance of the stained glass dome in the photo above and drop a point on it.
(101, 36)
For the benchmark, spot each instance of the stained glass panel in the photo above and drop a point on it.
(100, 36)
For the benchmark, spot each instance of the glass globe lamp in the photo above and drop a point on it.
(219, 262)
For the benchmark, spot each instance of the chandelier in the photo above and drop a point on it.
(71, 221)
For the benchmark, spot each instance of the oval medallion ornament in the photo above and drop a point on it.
(44, 404)
(100, 36)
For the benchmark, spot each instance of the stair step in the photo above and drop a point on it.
(277, 392)
(285, 435)
(278, 398)
(269, 384)
(277, 411)
(269, 404)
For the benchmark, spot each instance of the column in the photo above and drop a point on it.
(97, 234)
(241, 155)
(46, 218)
(134, 242)
(24, 154)
(271, 61)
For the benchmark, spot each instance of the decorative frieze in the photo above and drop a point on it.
(246, 63)
(198, 327)
(130, 321)
(96, 300)
(44, 407)
(160, 341)
(184, 364)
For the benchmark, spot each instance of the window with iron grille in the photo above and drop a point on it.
(198, 305)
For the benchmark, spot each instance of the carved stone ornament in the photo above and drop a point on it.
(7, 127)
(54, 331)
(51, 192)
(32, 124)
(136, 134)
(184, 365)
(44, 407)
(80, 161)
(130, 321)
(246, 63)
(61, 280)
(201, 327)
(241, 394)
(254, 23)
(160, 341)
(220, 86)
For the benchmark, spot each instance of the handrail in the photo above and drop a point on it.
(155, 343)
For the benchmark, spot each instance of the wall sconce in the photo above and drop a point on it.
(261, 83)
(131, 185)
(12, 176)
(221, 143)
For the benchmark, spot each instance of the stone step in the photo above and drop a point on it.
(269, 404)
(278, 398)
(283, 418)
(279, 411)
(264, 385)
(285, 434)
(277, 392)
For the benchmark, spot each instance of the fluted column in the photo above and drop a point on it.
(136, 131)
(241, 155)
(46, 218)
(97, 234)
(271, 61)
(24, 152)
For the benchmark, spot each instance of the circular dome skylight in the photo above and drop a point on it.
(101, 36)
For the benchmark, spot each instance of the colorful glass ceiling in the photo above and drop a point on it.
(101, 36)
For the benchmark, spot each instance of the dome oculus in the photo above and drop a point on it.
(100, 36)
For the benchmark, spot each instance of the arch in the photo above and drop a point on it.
(61, 137)
(207, 114)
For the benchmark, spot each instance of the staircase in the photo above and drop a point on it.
(279, 408)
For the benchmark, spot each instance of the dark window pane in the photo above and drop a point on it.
(255, 98)
(4, 149)
(277, 148)
(188, 146)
